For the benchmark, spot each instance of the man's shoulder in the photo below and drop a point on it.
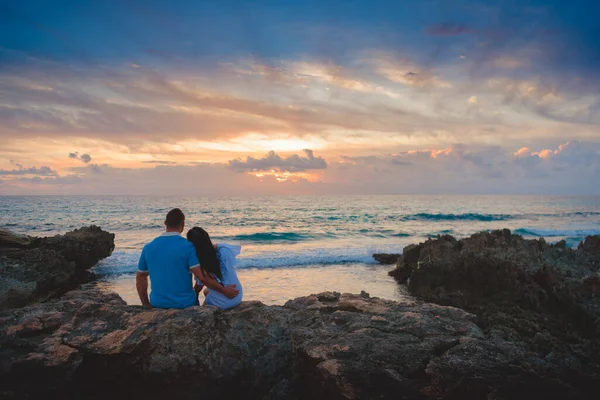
(174, 241)
(170, 241)
(184, 242)
(153, 242)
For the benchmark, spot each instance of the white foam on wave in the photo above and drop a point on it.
(577, 233)
(121, 263)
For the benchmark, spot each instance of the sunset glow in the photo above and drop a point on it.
(434, 97)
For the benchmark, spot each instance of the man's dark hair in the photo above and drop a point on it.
(175, 218)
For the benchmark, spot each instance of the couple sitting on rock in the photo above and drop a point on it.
(170, 260)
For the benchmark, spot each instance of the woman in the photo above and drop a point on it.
(218, 261)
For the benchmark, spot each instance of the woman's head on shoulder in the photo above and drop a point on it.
(205, 250)
(197, 234)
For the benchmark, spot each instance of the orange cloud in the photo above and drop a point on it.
(523, 151)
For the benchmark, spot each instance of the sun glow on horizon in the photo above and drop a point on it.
(287, 176)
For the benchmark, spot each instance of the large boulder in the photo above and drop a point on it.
(492, 267)
(327, 346)
(546, 296)
(36, 269)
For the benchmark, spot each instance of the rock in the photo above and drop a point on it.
(11, 240)
(543, 296)
(36, 269)
(328, 296)
(92, 345)
(386, 259)
(560, 244)
(592, 285)
(591, 244)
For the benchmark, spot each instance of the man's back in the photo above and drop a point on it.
(168, 259)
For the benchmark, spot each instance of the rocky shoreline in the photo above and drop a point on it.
(496, 317)
(34, 269)
(546, 297)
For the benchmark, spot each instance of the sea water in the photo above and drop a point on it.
(295, 246)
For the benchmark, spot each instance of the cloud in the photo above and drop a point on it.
(572, 168)
(571, 154)
(54, 180)
(160, 162)
(272, 161)
(500, 74)
(86, 158)
(447, 29)
(91, 169)
(41, 171)
(376, 94)
(154, 104)
(162, 179)
(359, 159)
(398, 69)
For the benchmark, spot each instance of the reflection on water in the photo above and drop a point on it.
(276, 286)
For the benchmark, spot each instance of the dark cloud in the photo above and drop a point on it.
(86, 158)
(447, 29)
(400, 161)
(91, 169)
(272, 161)
(41, 171)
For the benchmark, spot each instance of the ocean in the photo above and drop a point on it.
(295, 246)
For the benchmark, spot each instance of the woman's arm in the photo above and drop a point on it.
(229, 291)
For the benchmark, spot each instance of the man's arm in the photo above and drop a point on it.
(141, 279)
(229, 291)
(141, 284)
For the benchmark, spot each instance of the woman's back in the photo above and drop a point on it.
(227, 254)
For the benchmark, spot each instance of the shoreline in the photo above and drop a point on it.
(276, 286)
(495, 316)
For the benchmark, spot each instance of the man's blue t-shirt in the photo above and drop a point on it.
(168, 259)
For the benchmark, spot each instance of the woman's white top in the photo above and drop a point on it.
(227, 254)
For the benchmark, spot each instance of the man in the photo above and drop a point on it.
(170, 260)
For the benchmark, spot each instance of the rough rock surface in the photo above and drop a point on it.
(11, 240)
(545, 296)
(386, 259)
(36, 269)
(92, 345)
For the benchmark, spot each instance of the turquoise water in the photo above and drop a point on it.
(301, 237)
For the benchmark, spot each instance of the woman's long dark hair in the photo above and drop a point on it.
(207, 254)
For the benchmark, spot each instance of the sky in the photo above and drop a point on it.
(300, 97)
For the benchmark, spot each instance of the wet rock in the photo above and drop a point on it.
(386, 259)
(324, 346)
(36, 269)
